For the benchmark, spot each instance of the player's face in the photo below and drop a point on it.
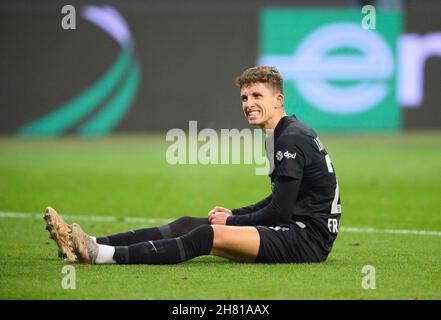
(259, 103)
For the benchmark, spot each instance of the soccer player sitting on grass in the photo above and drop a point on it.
(297, 223)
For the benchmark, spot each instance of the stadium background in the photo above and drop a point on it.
(57, 85)
(189, 54)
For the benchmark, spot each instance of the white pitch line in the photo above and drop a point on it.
(391, 231)
(24, 215)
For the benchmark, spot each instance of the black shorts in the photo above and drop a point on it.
(287, 244)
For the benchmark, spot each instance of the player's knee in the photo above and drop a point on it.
(205, 230)
(183, 221)
(201, 234)
(186, 224)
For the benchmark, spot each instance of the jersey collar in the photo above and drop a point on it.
(282, 125)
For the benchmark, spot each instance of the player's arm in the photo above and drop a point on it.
(239, 211)
(278, 211)
(252, 208)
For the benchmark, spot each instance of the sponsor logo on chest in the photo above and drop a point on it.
(280, 155)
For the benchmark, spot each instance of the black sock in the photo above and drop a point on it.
(174, 229)
(196, 243)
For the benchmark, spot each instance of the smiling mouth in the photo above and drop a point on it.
(253, 113)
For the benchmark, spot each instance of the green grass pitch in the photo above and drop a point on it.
(387, 182)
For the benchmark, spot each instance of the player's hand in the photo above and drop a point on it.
(219, 217)
(219, 209)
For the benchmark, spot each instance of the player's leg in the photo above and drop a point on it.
(59, 232)
(173, 229)
(164, 251)
(236, 243)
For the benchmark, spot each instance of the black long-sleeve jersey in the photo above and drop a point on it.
(304, 186)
